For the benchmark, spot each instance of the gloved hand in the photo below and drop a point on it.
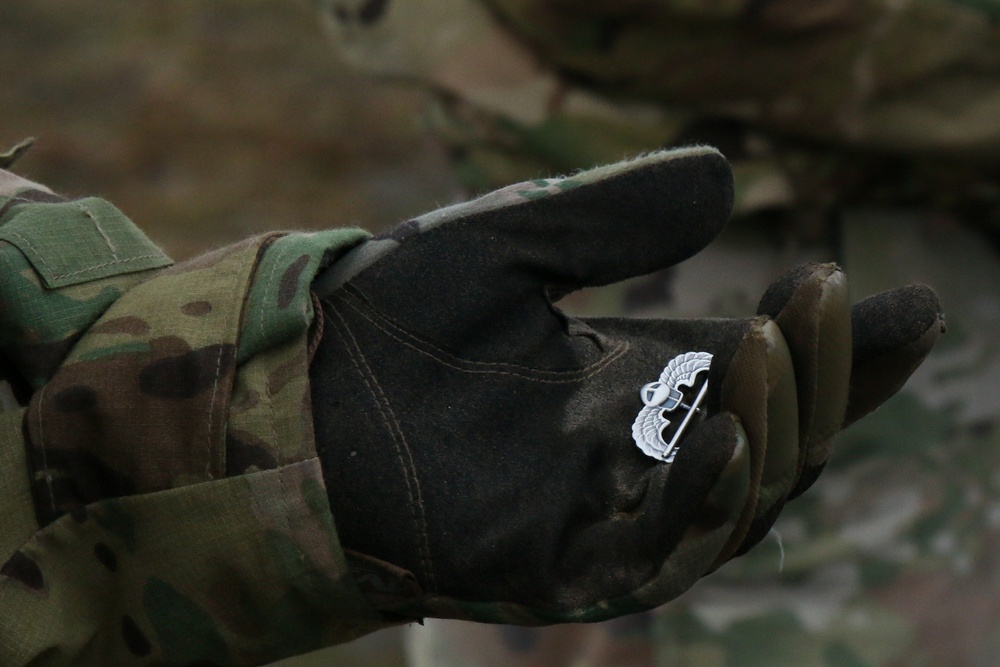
(489, 458)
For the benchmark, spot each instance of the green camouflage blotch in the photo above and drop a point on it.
(115, 350)
(118, 522)
(187, 633)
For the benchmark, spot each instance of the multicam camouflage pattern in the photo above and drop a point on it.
(826, 110)
(184, 393)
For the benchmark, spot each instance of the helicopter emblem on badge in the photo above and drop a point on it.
(663, 397)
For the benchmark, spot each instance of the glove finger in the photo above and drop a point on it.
(653, 550)
(594, 228)
(760, 389)
(893, 332)
(810, 305)
(700, 496)
(750, 377)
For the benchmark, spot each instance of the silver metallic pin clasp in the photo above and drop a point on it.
(665, 396)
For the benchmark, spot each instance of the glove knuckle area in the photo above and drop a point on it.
(810, 305)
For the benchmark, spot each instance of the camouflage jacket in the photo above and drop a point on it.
(162, 497)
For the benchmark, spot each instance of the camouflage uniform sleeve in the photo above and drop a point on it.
(163, 500)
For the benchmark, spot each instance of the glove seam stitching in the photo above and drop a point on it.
(398, 439)
(453, 362)
(232, 319)
(47, 475)
(269, 393)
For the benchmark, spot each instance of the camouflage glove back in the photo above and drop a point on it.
(489, 458)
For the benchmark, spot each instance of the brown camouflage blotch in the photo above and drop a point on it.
(129, 324)
(135, 640)
(245, 400)
(186, 375)
(288, 288)
(106, 556)
(197, 308)
(244, 453)
(77, 398)
(283, 374)
(23, 569)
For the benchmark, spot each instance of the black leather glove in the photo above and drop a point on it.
(489, 458)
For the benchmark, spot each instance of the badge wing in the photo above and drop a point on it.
(646, 431)
(684, 368)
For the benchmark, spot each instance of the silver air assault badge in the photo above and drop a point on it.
(666, 396)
